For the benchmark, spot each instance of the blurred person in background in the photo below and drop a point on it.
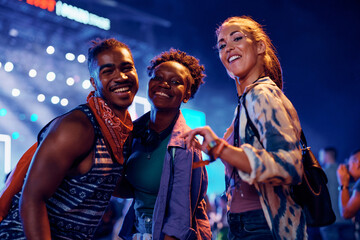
(350, 203)
(342, 228)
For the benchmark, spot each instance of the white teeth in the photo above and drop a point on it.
(162, 94)
(123, 89)
(233, 58)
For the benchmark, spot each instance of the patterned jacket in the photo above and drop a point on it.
(279, 165)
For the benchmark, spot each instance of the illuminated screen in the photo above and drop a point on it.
(5, 157)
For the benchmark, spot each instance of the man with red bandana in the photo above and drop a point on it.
(78, 159)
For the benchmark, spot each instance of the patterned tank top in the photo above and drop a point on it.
(78, 204)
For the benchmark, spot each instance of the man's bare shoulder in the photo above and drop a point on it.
(73, 127)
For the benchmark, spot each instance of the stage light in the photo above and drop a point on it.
(55, 100)
(81, 58)
(9, 66)
(41, 97)
(3, 112)
(70, 56)
(32, 73)
(50, 50)
(64, 102)
(70, 81)
(15, 135)
(50, 76)
(34, 117)
(86, 84)
(15, 92)
(0, 64)
(13, 32)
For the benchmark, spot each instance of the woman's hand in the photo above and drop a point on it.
(206, 132)
(343, 175)
(235, 156)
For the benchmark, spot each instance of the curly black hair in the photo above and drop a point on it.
(190, 62)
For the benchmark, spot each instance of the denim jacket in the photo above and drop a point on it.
(278, 164)
(180, 206)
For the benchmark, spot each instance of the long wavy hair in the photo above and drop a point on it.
(271, 62)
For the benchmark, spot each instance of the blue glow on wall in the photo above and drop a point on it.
(15, 135)
(215, 169)
(194, 118)
(34, 117)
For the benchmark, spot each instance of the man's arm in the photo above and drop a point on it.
(349, 206)
(69, 140)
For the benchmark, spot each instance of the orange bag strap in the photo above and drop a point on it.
(15, 181)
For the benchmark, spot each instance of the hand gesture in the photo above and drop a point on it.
(343, 175)
(206, 132)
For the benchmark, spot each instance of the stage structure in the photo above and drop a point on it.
(43, 69)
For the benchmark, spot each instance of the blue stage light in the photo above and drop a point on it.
(15, 135)
(34, 117)
(3, 112)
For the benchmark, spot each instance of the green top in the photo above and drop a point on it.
(144, 169)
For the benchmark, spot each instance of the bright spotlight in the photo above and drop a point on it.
(15, 135)
(50, 76)
(70, 81)
(86, 84)
(3, 112)
(9, 66)
(32, 73)
(64, 102)
(55, 100)
(81, 58)
(70, 56)
(50, 50)
(15, 92)
(34, 117)
(13, 32)
(41, 97)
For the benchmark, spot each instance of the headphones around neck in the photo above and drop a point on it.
(151, 138)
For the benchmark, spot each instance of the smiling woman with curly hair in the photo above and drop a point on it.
(168, 193)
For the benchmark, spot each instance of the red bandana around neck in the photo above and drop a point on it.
(113, 129)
